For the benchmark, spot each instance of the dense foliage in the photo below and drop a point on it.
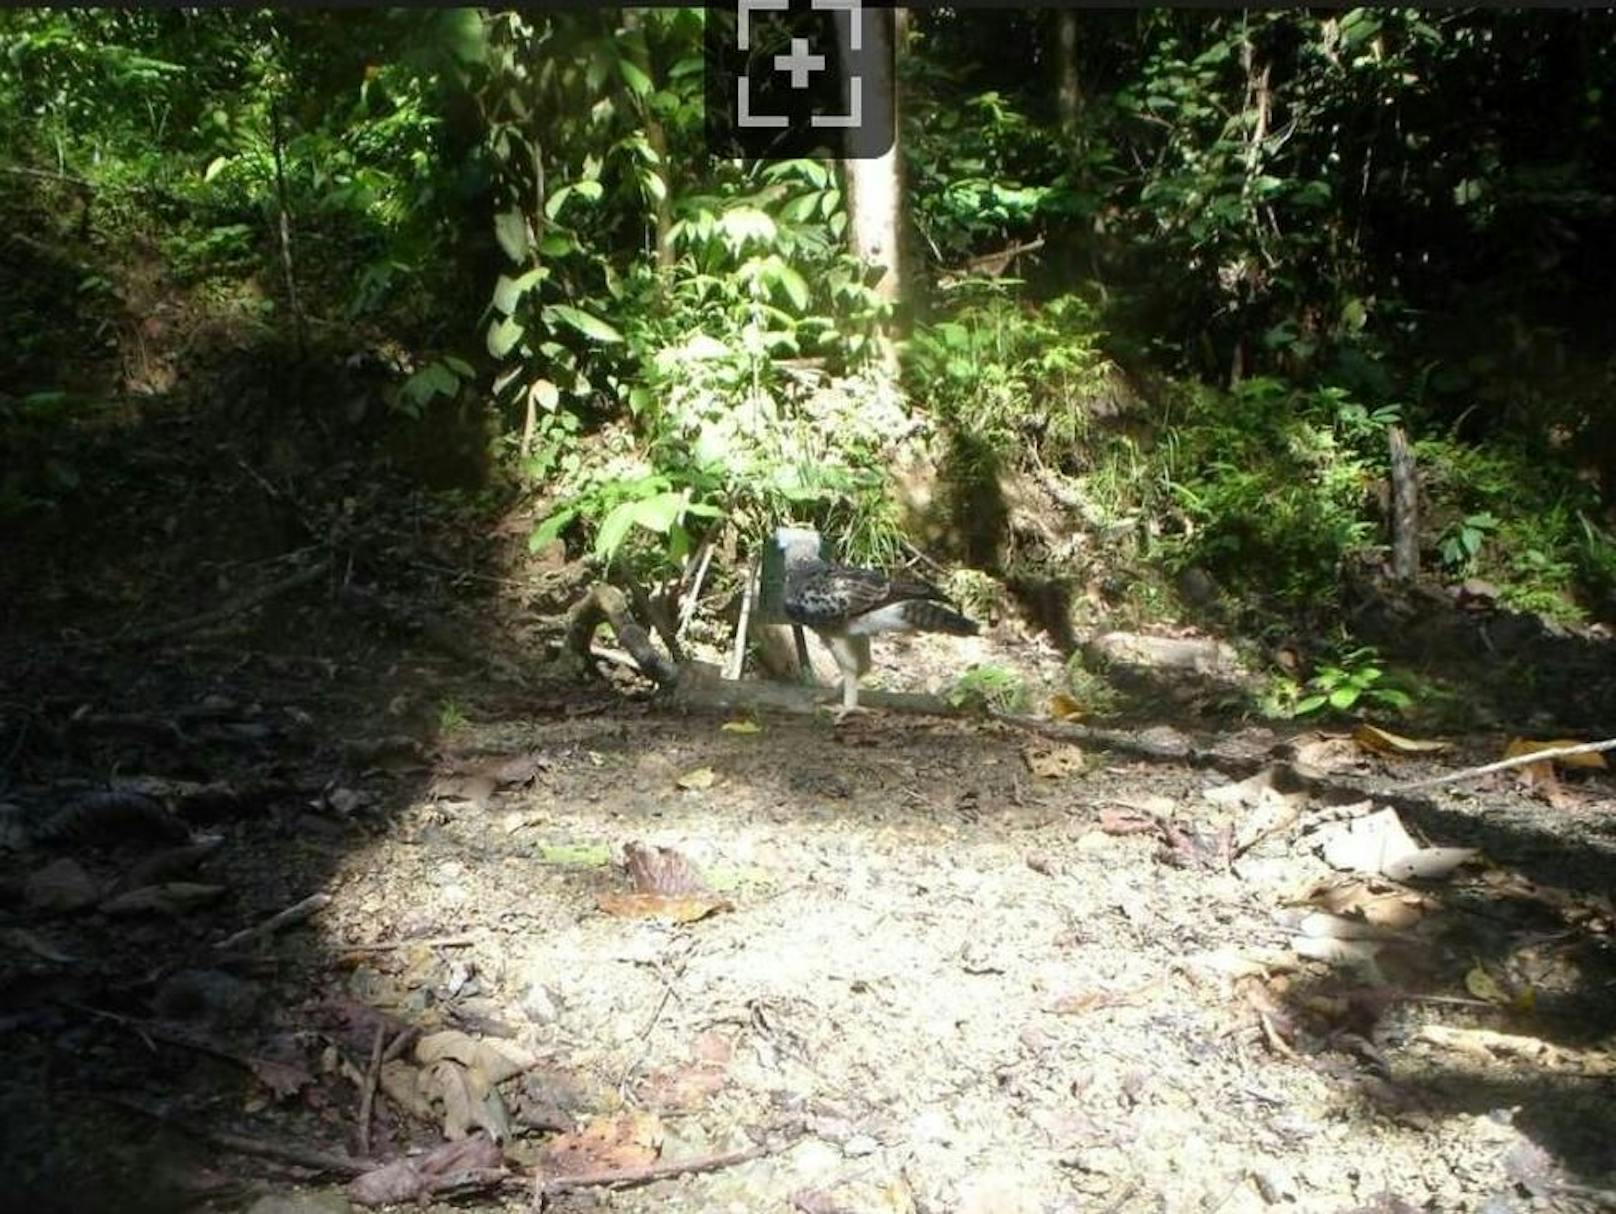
(1265, 238)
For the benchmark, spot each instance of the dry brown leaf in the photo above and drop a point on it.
(686, 909)
(697, 779)
(1388, 908)
(402, 1084)
(1383, 742)
(681, 1089)
(408, 1180)
(628, 1140)
(741, 727)
(449, 1084)
(489, 1060)
(1054, 763)
(1115, 821)
(1063, 707)
(1324, 751)
(661, 870)
(1483, 985)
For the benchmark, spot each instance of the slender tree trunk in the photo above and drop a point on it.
(874, 187)
(1068, 86)
(284, 227)
(657, 136)
(1405, 506)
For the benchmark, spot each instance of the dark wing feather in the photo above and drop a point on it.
(831, 595)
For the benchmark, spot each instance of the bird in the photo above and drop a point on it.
(846, 605)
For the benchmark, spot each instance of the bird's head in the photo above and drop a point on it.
(799, 545)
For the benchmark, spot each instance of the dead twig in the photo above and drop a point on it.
(623, 1178)
(687, 610)
(296, 913)
(367, 1093)
(387, 946)
(737, 657)
(219, 614)
(1486, 769)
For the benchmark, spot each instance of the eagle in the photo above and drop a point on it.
(846, 605)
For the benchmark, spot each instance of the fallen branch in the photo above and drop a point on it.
(296, 913)
(219, 614)
(623, 1178)
(687, 611)
(1537, 756)
(367, 1093)
(387, 946)
(606, 603)
(737, 657)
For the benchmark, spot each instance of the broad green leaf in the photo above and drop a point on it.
(545, 395)
(1343, 697)
(611, 533)
(510, 229)
(214, 167)
(504, 334)
(590, 326)
(459, 366)
(794, 286)
(508, 292)
(555, 244)
(550, 529)
(634, 76)
(660, 512)
(553, 204)
(463, 33)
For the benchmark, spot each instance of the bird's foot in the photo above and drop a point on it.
(848, 710)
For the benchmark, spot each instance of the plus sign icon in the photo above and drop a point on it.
(790, 78)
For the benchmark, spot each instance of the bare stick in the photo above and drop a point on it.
(737, 657)
(367, 1094)
(296, 913)
(622, 1178)
(237, 605)
(1486, 769)
(688, 610)
(387, 946)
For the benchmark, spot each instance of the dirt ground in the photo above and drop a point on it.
(912, 963)
(935, 980)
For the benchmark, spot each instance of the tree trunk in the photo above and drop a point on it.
(1068, 87)
(657, 137)
(1405, 506)
(874, 187)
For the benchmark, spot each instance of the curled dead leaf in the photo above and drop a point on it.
(1063, 707)
(1383, 742)
(1522, 746)
(678, 909)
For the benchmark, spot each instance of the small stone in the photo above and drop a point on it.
(1275, 1183)
(860, 1145)
(539, 1004)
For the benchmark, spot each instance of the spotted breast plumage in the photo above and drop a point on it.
(847, 605)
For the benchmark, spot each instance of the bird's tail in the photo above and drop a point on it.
(929, 616)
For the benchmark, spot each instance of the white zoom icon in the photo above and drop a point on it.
(800, 64)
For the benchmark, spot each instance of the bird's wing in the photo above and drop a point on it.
(837, 594)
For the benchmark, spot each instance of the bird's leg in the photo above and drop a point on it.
(850, 704)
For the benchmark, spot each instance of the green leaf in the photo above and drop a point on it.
(1343, 697)
(504, 334)
(610, 536)
(214, 167)
(589, 325)
(555, 244)
(510, 229)
(553, 204)
(508, 292)
(459, 366)
(463, 33)
(634, 76)
(1309, 704)
(551, 528)
(794, 286)
(545, 395)
(660, 512)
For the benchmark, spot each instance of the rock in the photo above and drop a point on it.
(1202, 655)
(539, 1004)
(860, 1145)
(61, 886)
